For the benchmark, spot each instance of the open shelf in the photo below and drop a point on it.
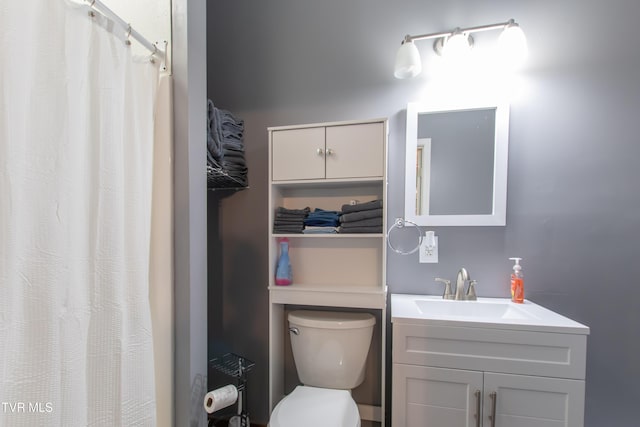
(335, 295)
(330, 236)
(328, 183)
(219, 179)
(231, 364)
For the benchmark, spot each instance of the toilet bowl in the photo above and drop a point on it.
(329, 350)
(316, 407)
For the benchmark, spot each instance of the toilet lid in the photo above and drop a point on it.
(316, 407)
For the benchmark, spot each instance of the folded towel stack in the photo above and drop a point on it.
(289, 220)
(361, 218)
(322, 221)
(225, 146)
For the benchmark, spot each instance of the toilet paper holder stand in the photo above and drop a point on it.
(235, 366)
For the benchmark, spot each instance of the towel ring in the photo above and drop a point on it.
(401, 223)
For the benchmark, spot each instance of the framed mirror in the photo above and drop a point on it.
(456, 163)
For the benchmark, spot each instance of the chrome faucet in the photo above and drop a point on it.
(461, 280)
(460, 295)
(447, 288)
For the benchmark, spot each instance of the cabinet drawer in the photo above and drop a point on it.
(496, 350)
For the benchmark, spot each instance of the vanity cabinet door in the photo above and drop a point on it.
(527, 401)
(435, 397)
(355, 151)
(298, 154)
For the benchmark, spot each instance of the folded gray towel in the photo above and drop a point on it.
(360, 230)
(358, 216)
(369, 222)
(287, 221)
(374, 204)
(304, 211)
(290, 216)
(288, 229)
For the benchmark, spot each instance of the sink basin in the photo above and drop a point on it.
(485, 312)
(481, 309)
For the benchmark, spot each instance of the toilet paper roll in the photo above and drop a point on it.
(220, 398)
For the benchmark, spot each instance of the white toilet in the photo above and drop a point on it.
(330, 350)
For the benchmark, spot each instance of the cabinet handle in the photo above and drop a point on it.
(494, 398)
(320, 151)
(477, 394)
(329, 151)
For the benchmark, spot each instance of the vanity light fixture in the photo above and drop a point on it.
(456, 44)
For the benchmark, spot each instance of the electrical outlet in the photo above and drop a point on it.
(427, 256)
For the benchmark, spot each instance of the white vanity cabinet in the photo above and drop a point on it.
(455, 375)
(334, 151)
(437, 397)
(326, 165)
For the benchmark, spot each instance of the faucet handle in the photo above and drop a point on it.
(471, 292)
(447, 288)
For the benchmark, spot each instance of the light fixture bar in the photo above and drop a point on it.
(487, 27)
(427, 36)
(462, 30)
(456, 44)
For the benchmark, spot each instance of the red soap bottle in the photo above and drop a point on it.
(517, 282)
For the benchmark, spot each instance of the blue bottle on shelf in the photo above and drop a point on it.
(283, 268)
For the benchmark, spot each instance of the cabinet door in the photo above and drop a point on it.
(355, 151)
(298, 154)
(435, 397)
(526, 401)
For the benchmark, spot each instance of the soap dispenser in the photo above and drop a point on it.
(517, 282)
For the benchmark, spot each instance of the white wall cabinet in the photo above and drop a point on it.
(338, 151)
(461, 376)
(326, 165)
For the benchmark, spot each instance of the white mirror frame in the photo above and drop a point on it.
(501, 152)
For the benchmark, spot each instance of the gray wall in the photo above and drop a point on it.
(190, 211)
(573, 204)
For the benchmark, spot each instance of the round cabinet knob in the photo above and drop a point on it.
(320, 151)
(329, 151)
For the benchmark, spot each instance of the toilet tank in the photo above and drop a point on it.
(330, 348)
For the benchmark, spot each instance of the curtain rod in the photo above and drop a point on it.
(100, 7)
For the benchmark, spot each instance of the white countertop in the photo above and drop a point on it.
(493, 313)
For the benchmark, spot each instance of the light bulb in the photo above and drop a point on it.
(408, 62)
(513, 45)
(456, 47)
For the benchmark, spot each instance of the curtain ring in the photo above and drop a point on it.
(152, 58)
(92, 14)
(401, 223)
(128, 35)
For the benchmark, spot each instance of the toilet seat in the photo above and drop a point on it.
(316, 407)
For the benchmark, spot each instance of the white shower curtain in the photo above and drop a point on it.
(76, 152)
